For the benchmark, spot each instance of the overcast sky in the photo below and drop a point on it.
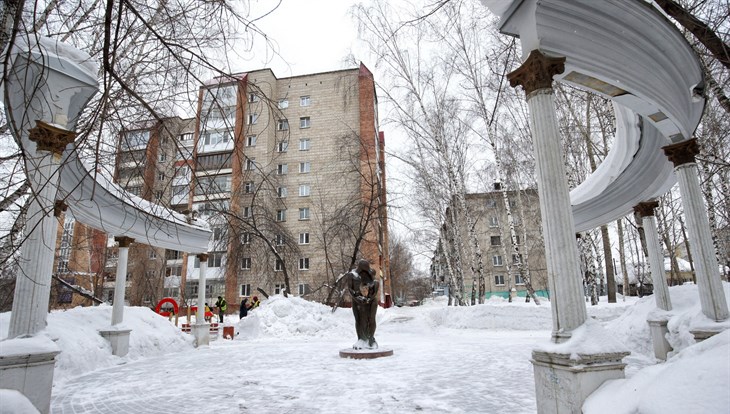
(311, 36)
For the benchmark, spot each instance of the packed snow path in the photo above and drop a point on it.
(449, 371)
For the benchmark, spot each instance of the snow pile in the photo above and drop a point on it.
(632, 329)
(281, 317)
(83, 349)
(695, 380)
(13, 402)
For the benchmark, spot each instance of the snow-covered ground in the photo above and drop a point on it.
(285, 358)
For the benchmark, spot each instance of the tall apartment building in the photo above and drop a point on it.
(288, 173)
(501, 271)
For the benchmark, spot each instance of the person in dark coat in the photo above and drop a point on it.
(243, 310)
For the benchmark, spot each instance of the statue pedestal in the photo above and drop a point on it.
(659, 331)
(26, 365)
(562, 384)
(365, 353)
(201, 333)
(119, 340)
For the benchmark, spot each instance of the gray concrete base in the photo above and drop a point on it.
(701, 334)
(659, 331)
(563, 384)
(201, 333)
(365, 353)
(29, 371)
(119, 340)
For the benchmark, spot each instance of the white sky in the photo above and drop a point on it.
(311, 36)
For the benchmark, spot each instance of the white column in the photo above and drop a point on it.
(564, 279)
(712, 296)
(120, 285)
(200, 317)
(656, 257)
(33, 282)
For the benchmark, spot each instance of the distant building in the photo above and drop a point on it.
(288, 173)
(499, 261)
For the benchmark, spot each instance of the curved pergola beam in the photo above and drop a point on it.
(97, 202)
(626, 51)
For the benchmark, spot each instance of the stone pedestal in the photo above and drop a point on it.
(705, 332)
(562, 384)
(26, 365)
(658, 328)
(119, 340)
(201, 333)
(365, 353)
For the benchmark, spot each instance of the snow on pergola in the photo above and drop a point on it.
(628, 52)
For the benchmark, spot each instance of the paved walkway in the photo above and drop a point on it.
(449, 371)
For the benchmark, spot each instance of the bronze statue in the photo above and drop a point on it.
(363, 289)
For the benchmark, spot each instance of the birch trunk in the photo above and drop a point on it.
(622, 257)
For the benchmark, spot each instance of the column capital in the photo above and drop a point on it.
(203, 257)
(536, 72)
(646, 208)
(59, 207)
(50, 138)
(682, 152)
(124, 241)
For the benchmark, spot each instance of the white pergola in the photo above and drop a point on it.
(48, 84)
(629, 52)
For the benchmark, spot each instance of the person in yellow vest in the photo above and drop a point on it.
(222, 306)
(254, 303)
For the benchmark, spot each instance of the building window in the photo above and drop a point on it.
(252, 119)
(246, 212)
(153, 254)
(188, 136)
(279, 240)
(303, 238)
(304, 213)
(250, 164)
(246, 238)
(246, 289)
(519, 280)
(282, 146)
(512, 204)
(491, 203)
(281, 191)
(251, 141)
(279, 288)
(495, 241)
(304, 122)
(304, 190)
(497, 260)
(215, 259)
(283, 103)
(304, 144)
(282, 169)
(163, 157)
(282, 125)
(305, 167)
(304, 289)
(158, 195)
(516, 259)
(246, 263)
(280, 215)
(252, 97)
(304, 101)
(248, 187)
(213, 184)
(517, 239)
(219, 233)
(493, 222)
(499, 280)
(160, 176)
(304, 263)
(216, 137)
(278, 267)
